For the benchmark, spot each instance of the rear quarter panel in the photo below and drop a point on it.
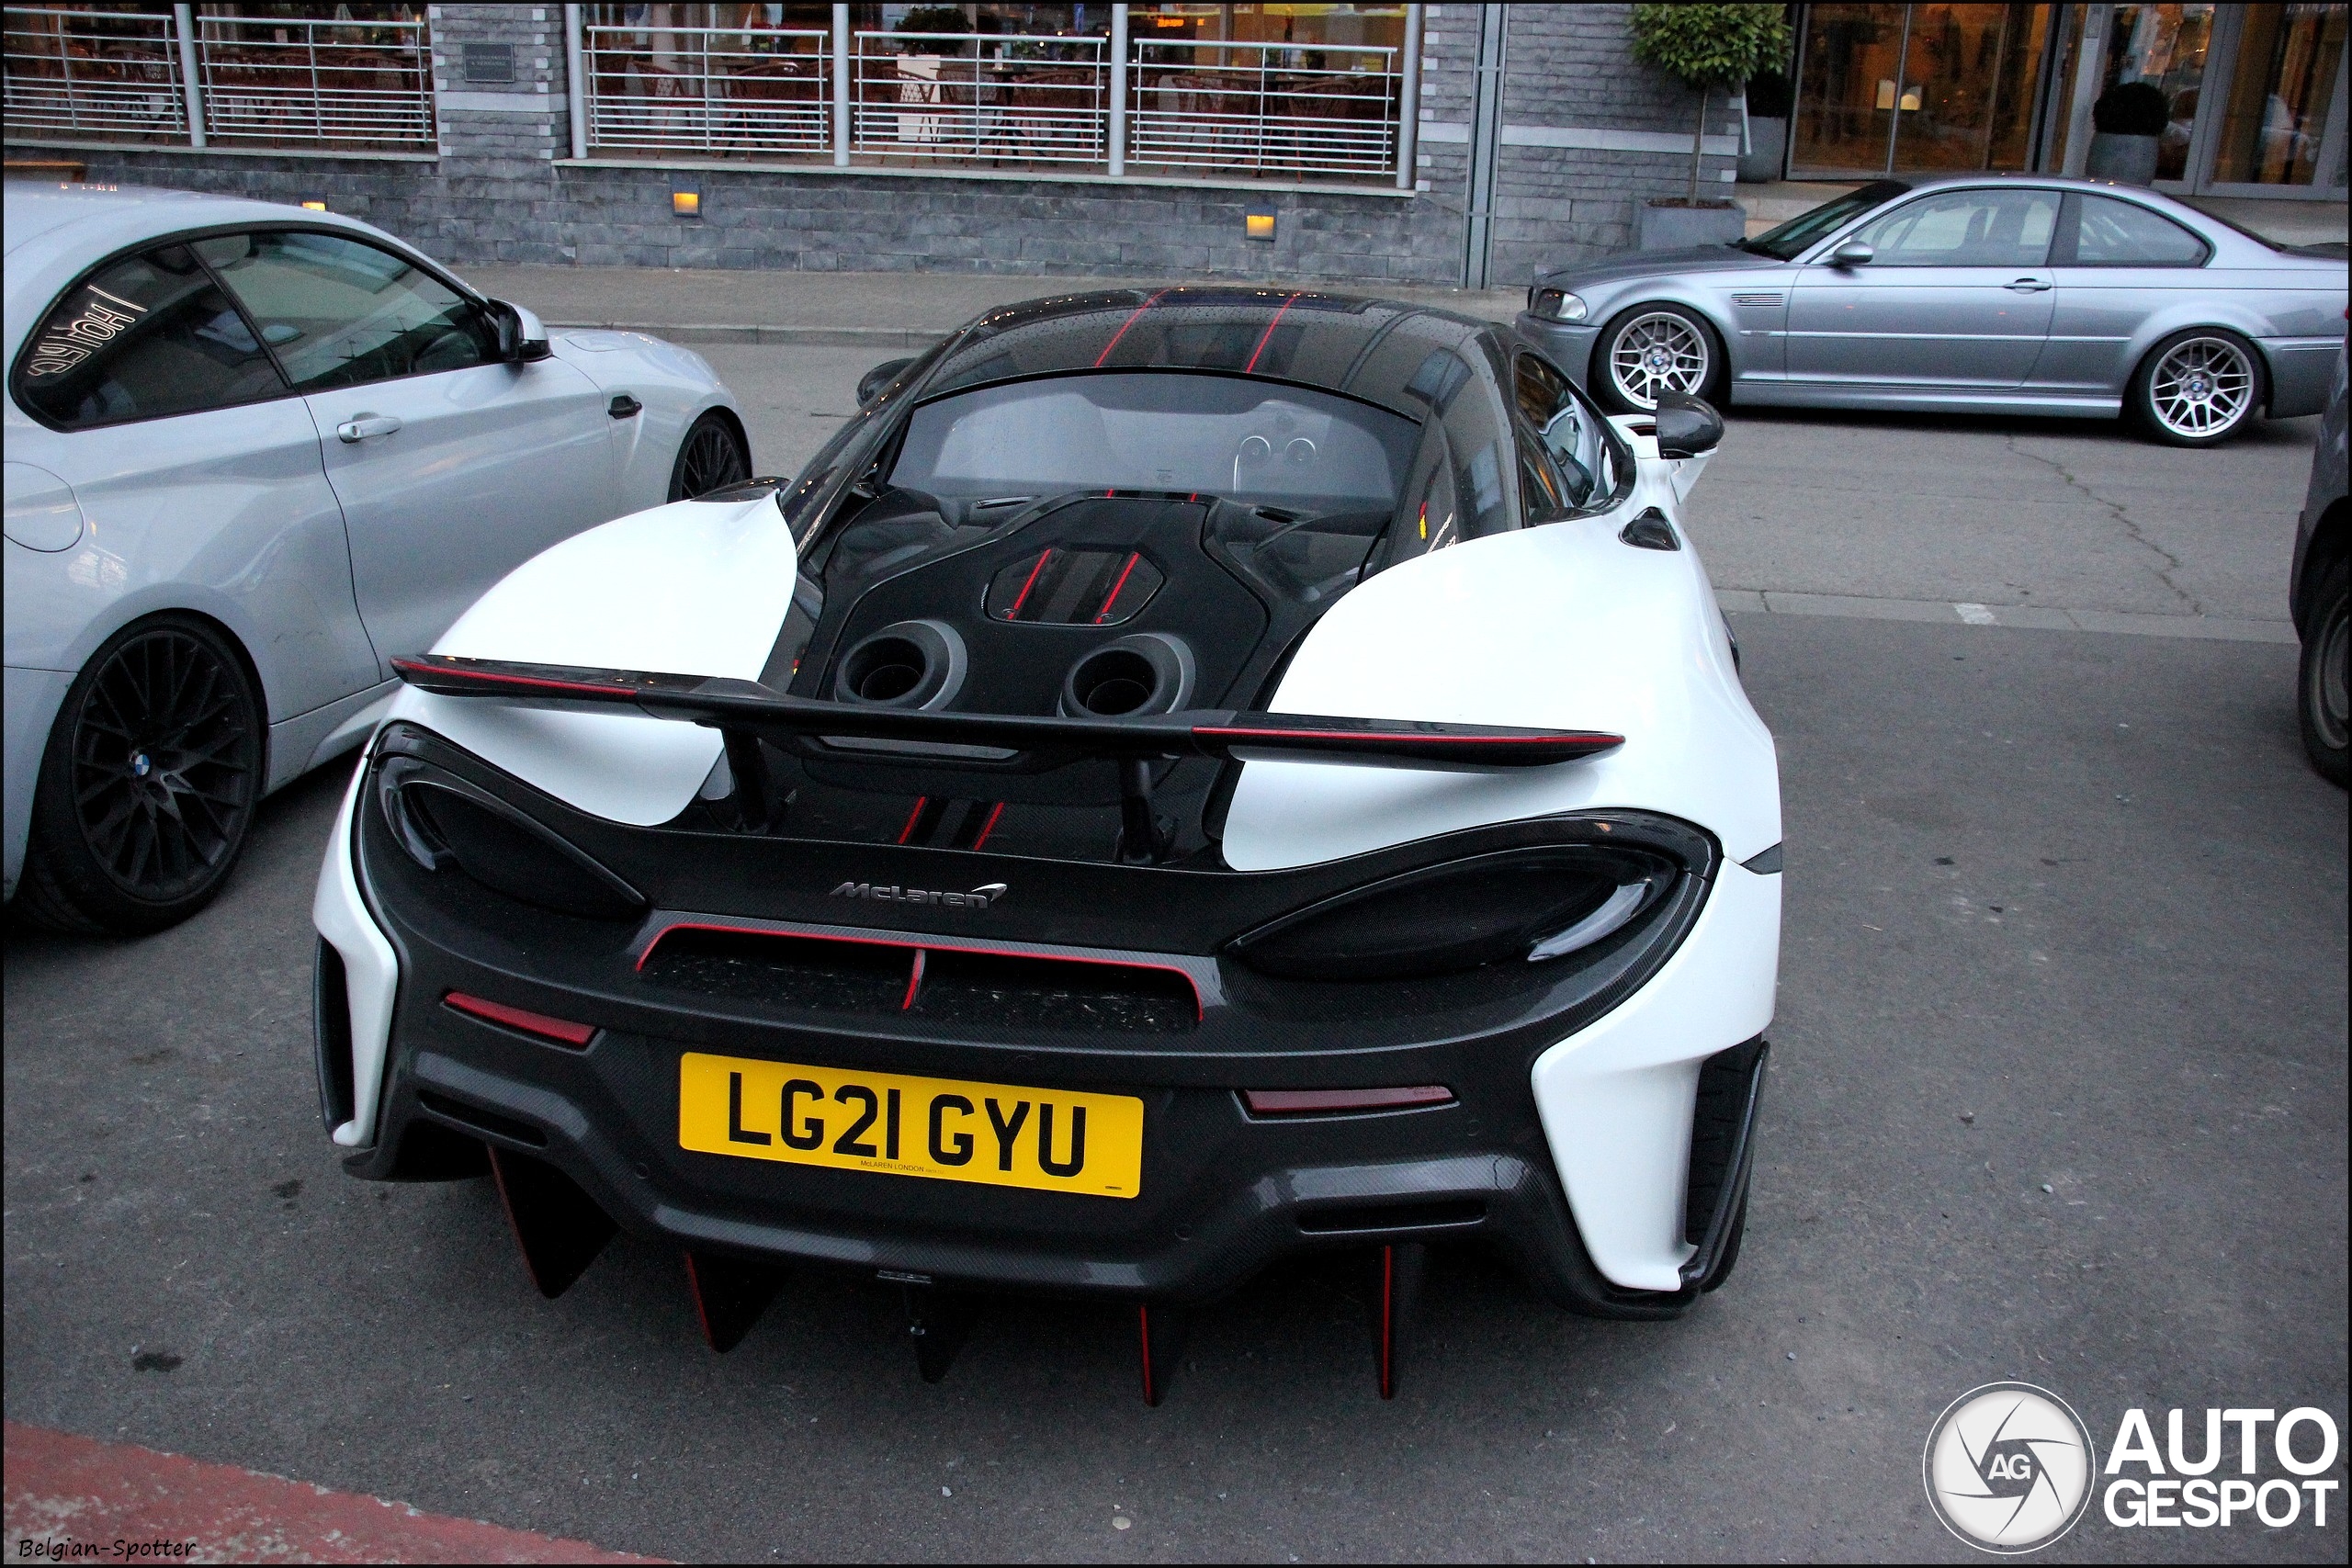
(1561, 624)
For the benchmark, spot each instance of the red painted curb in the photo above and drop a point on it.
(71, 1497)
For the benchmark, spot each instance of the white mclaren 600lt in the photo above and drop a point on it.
(1230, 773)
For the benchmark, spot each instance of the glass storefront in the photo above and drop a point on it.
(1935, 88)
(2290, 66)
(2257, 91)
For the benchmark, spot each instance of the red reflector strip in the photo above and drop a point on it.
(1241, 735)
(1301, 1101)
(409, 669)
(562, 1031)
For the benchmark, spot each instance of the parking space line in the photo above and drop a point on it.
(64, 1491)
(2035, 617)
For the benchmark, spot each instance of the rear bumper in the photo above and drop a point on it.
(2301, 372)
(1572, 1158)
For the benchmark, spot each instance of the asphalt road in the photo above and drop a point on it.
(2066, 910)
(2130, 975)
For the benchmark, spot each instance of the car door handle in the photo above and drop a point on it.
(354, 431)
(2028, 286)
(623, 406)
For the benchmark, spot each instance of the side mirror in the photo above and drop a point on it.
(1687, 426)
(870, 385)
(521, 337)
(1853, 253)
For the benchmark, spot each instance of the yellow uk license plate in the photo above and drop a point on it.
(1053, 1140)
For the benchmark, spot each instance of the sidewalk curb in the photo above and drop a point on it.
(2031, 617)
(74, 1498)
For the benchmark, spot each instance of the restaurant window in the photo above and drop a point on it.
(1213, 91)
(354, 77)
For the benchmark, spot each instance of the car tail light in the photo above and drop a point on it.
(1331, 1101)
(562, 1031)
(442, 823)
(1522, 906)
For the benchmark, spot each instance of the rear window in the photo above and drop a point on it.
(1221, 435)
(145, 338)
(2123, 233)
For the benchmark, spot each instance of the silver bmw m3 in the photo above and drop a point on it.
(1979, 294)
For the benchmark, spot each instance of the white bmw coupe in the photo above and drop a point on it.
(253, 453)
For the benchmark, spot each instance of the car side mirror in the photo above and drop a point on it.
(521, 337)
(870, 385)
(1853, 253)
(1687, 426)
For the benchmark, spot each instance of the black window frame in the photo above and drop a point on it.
(191, 238)
(2067, 241)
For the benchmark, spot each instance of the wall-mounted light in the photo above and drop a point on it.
(316, 206)
(686, 203)
(1258, 226)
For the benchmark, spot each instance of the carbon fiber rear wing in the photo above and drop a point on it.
(1023, 742)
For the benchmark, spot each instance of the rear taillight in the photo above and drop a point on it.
(445, 823)
(561, 1031)
(1517, 906)
(1334, 1101)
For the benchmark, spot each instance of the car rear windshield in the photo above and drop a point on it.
(1214, 436)
(1787, 241)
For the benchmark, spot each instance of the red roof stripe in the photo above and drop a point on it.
(1100, 358)
(1267, 336)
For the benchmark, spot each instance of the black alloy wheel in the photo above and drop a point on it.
(147, 789)
(2323, 698)
(711, 458)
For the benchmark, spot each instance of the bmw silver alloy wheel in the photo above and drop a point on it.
(2201, 388)
(1658, 352)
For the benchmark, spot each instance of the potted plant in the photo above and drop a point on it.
(1768, 99)
(1706, 47)
(2129, 119)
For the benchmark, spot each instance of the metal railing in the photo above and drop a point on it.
(97, 72)
(709, 90)
(981, 98)
(1264, 107)
(270, 80)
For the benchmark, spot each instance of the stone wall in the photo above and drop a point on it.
(502, 188)
(1572, 67)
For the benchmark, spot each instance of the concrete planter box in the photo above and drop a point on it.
(2126, 160)
(1681, 228)
(1768, 146)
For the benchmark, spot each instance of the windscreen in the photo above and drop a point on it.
(1787, 241)
(1213, 435)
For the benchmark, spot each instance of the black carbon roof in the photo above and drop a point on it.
(1365, 348)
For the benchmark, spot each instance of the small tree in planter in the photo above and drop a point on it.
(2129, 119)
(1708, 46)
